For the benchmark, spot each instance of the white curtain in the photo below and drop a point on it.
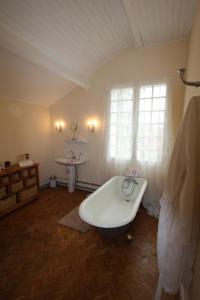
(119, 129)
(179, 221)
(139, 135)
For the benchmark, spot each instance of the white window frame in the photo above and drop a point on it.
(136, 86)
(109, 156)
(165, 112)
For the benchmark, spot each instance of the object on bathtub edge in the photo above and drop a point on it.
(131, 172)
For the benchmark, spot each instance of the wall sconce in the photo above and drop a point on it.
(59, 125)
(92, 124)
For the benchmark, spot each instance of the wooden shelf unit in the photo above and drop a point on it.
(18, 186)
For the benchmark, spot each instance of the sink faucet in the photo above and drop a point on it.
(73, 156)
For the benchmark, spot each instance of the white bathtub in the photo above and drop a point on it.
(107, 207)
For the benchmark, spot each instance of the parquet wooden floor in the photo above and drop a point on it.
(40, 259)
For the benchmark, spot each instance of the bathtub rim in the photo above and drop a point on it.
(116, 223)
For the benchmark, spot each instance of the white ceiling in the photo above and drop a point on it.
(70, 39)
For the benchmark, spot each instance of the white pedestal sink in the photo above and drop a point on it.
(70, 164)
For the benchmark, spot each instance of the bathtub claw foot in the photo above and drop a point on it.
(129, 237)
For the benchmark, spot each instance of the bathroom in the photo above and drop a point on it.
(53, 90)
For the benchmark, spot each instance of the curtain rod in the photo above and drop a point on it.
(181, 72)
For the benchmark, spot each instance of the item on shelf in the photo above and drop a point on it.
(6, 164)
(26, 162)
(26, 156)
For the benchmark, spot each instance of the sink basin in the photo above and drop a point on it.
(69, 161)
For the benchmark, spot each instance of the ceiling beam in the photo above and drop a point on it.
(19, 46)
(131, 12)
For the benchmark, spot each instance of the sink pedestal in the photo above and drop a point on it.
(70, 164)
(71, 174)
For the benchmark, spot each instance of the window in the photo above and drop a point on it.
(137, 123)
(151, 123)
(120, 127)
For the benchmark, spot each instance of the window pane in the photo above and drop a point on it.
(160, 130)
(159, 104)
(127, 93)
(120, 128)
(114, 107)
(159, 90)
(144, 130)
(145, 105)
(113, 130)
(157, 130)
(114, 94)
(157, 117)
(112, 151)
(150, 133)
(150, 127)
(122, 94)
(144, 117)
(112, 140)
(127, 106)
(154, 131)
(146, 92)
(113, 118)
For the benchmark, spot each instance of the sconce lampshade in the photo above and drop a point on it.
(59, 125)
(92, 124)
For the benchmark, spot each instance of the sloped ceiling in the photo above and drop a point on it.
(70, 39)
(28, 82)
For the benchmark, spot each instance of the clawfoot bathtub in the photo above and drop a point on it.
(114, 205)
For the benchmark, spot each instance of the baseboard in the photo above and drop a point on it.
(44, 184)
(80, 185)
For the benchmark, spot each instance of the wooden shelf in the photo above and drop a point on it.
(3, 184)
(15, 197)
(15, 169)
(29, 176)
(16, 206)
(14, 181)
(13, 193)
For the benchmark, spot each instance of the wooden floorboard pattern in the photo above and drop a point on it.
(40, 259)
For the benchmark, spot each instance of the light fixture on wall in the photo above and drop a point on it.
(74, 127)
(59, 125)
(92, 124)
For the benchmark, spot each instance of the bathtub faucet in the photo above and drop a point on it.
(73, 156)
(132, 179)
(126, 183)
(135, 181)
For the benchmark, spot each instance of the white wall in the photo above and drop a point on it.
(25, 128)
(133, 64)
